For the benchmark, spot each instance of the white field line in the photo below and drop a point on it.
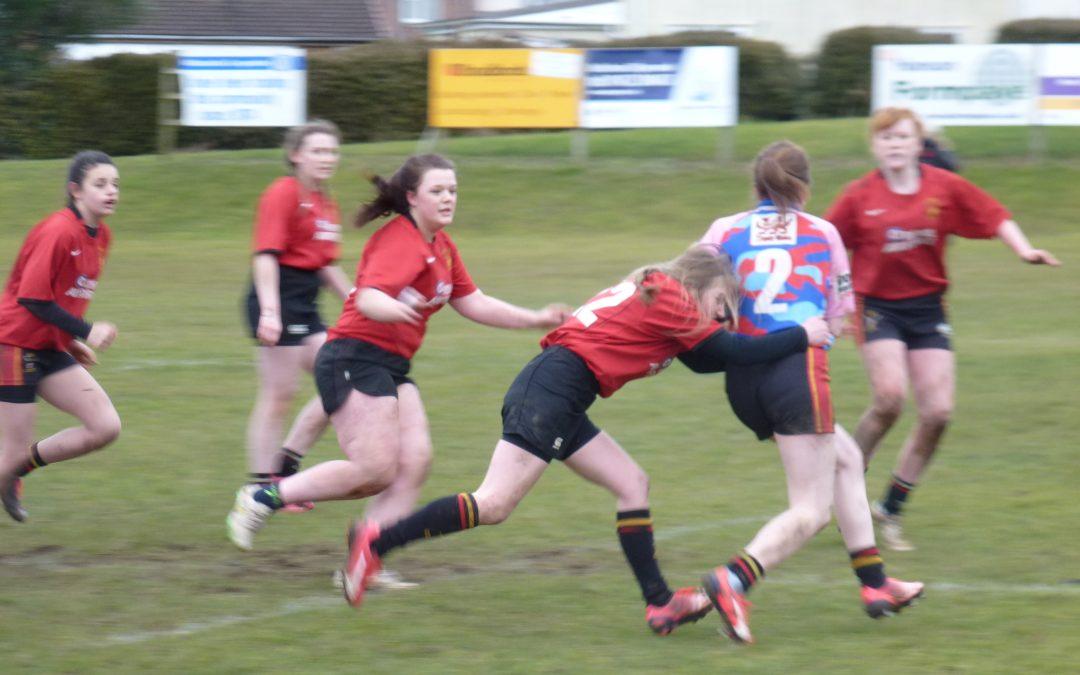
(154, 364)
(323, 602)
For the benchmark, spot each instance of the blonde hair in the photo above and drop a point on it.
(696, 270)
(883, 118)
(782, 174)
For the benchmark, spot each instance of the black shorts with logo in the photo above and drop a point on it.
(21, 370)
(790, 396)
(299, 290)
(544, 409)
(920, 322)
(345, 364)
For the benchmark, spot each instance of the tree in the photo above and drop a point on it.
(31, 30)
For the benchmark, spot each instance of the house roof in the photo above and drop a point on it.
(301, 21)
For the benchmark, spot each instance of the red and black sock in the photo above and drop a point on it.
(34, 461)
(869, 567)
(636, 537)
(896, 495)
(746, 569)
(442, 516)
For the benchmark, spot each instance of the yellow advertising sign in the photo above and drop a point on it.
(518, 88)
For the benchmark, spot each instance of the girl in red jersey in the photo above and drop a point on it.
(791, 265)
(410, 268)
(41, 315)
(896, 220)
(629, 331)
(297, 241)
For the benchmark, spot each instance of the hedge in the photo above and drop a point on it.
(1031, 31)
(842, 85)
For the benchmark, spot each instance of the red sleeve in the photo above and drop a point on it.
(978, 214)
(674, 315)
(390, 263)
(843, 214)
(276, 206)
(463, 283)
(42, 258)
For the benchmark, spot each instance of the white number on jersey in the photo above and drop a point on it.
(611, 297)
(776, 262)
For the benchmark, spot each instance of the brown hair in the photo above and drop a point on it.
(696, 270)
(883, 118)
(80, 166)
(782, 174)
(391, 195)
(295, 137)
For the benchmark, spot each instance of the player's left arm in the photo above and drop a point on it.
(333, 277)
(840, 298)
(490, 311)
(1013, 237)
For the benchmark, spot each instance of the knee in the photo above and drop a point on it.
(635, 489)
(415, 464)
(889, 403)
(278, 399)
(811, 520)
(376, 476)
(493, 509)
(936, 417)
(105, 430)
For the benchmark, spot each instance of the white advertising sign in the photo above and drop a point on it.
(1059, 84)
(242, 86)
(958, 85)
(666, 87)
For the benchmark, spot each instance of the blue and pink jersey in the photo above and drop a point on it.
(791, 267)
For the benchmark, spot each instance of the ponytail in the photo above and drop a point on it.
(782, 175)
(391, 196)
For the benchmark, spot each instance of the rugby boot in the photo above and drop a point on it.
(361, 562)
(732, 606)
(11, 496)
(686, 605)
(890, 598)
(891, 526)
(247, 517)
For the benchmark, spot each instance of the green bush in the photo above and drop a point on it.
(768, 76)
(1040, 30)
(842, 85)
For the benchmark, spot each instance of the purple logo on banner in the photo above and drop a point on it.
(631, 74)
(1061, 86)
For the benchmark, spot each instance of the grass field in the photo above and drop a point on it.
(125, 567)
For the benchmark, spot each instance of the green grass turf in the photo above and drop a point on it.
(124, 565)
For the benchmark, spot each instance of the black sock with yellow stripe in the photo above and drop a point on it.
(746, 570)
(869, 567)
(33, 462)
(442, 516)
(636, 538)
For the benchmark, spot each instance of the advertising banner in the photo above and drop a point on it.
(1059, 84)
(500, 88)
(958, 85)
(242, 86)
(670, 87)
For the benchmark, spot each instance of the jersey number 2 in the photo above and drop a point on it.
(776, 262)
(616, 295)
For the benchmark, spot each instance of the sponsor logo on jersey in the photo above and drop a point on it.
(430, 259)
(655, 368)
(326, 231)
(843, 283)
(897, 239)
(874, 212)
(83, 288)
(76, 252)
(933, 208)
(770, 229)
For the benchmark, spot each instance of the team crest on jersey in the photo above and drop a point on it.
(771, 229)
(933, 208)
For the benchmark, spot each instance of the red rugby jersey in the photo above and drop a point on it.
(620, 338)
(61, 262)
(398, 261)
(898, 242)
(301, 226)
